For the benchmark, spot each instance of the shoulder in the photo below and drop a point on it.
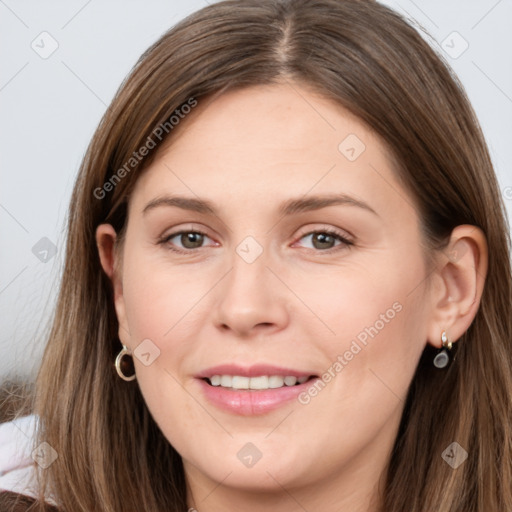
(17, 465)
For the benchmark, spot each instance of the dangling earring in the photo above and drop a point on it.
(118, 362)
(443, 357)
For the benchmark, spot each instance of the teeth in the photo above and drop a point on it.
(275, 382)
(256, 382)
(225, 381)
(215, 380)
(240, 382)
(261, 382)
(290, 381)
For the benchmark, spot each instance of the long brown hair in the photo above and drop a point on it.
(111, 455)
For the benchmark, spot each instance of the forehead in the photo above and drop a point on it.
(284, 116)
(266, 142)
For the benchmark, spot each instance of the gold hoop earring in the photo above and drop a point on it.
(443, 357)
(124, 352)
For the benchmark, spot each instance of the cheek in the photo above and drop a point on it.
(378, 323)
(159, 297)
(370, 364)
(358, 301)
(159, 302)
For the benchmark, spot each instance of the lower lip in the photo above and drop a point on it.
(249, 402)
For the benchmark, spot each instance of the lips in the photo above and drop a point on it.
(250, 402)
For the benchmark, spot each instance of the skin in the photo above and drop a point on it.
(298, 304)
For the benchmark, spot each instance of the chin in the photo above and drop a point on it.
(265, 475)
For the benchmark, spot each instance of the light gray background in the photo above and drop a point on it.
(51, 106)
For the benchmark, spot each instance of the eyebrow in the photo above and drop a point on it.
(290, 207)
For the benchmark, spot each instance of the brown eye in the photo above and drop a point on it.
(325, 240)
(191, 240)
(184, 241)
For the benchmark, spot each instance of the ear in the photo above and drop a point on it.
(458, 283)
(110, 262)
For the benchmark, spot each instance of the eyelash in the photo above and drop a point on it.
(327, 231)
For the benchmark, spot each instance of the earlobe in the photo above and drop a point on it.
(460, 277)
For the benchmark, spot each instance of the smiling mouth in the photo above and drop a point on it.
(260, 383)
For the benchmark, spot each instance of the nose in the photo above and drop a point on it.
(251, 299)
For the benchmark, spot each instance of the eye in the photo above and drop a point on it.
(190, 240)
(324, 239)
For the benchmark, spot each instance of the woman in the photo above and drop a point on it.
(288, 225)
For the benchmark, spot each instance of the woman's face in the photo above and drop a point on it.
(309, 263)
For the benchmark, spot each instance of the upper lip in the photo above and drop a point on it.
(254, 370)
